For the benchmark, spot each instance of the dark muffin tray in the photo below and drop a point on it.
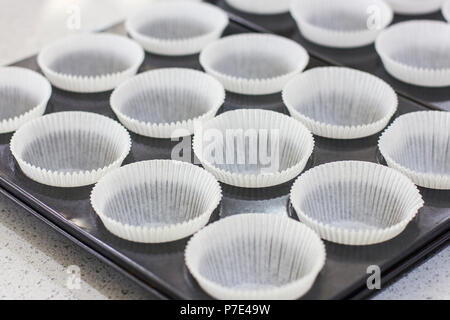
(160, 268)
(365, 58)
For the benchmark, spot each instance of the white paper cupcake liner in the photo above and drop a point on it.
(24, 95)
(418, 145)
(264, 7)
(254, 64)
(446, 10)
(341, 23)
(70, 149)
(156, 201)
(415, 7)
(90, 62)
(355, 202)
(253, 148)
(340, 103)
(417, 52)
(177, 28)
(255, 257)
(165, 103)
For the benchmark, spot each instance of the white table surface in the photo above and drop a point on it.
(34, 259)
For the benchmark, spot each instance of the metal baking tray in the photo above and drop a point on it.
(364, 58)
(160, 268)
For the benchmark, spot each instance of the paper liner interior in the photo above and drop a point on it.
(418, 145)
(253, 148)
(355, 202)
(156, 201)
(341, 23)
(417, 52)
(24, 95)
(255, 257)
(340, 103)
(93, 62)
(264, 7)
(415, 7)
(70, 149)
(254, 64)
(177, 27)
(165, 103)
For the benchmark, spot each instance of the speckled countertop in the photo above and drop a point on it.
(35, 261)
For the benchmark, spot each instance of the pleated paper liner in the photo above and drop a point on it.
(90, 62)
(418, 145)
(415, 7)
(417, 52)
(263, 7)
(70, 149)
(156, 201)
(165, 103)
(254, 64)
(253, 148)
(341, 23)
(446, 10)
(255, 257)
(176, 28)
(24, 95)
(355, 202)
(340, 103)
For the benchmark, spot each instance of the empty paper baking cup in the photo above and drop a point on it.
(253, 148)
(341, 23)
(90, 62)
(340, 103)
(70, 149)
(260, 6)
(156, 201)
(254, 64)
(355, 202)
(418, 145)
(417, 52)
(415, 7)
(255, 257)
(23, 96)
(176, 28)
(165, 103)
(446, 10)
